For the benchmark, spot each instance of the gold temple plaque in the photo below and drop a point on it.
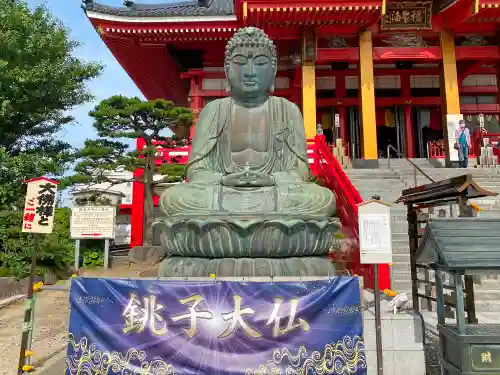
(407, 15)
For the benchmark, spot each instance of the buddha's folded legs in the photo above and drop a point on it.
(299, 199)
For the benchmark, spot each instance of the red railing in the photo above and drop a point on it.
(435, 149)
(348, 198)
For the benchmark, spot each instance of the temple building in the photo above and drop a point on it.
(371, 72)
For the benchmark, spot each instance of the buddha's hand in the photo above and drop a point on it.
(248, 179)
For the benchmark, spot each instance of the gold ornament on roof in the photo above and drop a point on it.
(337, 42)
(474, 40)
(405, 40)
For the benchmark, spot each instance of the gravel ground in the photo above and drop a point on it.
(51, 327)
(51, 330)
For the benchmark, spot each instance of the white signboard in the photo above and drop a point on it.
(375, 237)
(452, 125)
(481, 120)
(123, 230)
(337, 120)
(39, 207)
(93, 222)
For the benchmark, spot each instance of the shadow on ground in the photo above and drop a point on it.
(54, 368)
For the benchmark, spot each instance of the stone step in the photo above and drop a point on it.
(486, 295)
(375, 183)
(487, 306)
(490, 213)
(384, 195)
(374, 187)
(400, 250)
(400, 275)
(400, 258)
(399, 227)
(387, 173)
(401, 286)
(402, 266)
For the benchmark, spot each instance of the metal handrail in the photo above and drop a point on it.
(415, 167)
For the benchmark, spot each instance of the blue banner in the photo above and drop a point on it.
(154, 327)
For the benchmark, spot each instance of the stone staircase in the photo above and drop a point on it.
(388, 183)
(487, 288)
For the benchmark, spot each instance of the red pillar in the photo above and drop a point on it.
(341, 92)
(342, 111)
(409, 132)
(409, 136)
(137, 215)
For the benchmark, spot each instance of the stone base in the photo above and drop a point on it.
(147, 255)
(246, 267)
(252, 236)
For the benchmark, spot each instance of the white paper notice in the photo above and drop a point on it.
(375, 232)
(375, 239)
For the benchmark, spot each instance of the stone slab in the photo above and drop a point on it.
(10, 300)
(402, 340)
(147, 255)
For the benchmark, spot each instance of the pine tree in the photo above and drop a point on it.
(120, 117)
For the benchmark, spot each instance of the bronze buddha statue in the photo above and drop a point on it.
(248, 208)
(249, 150)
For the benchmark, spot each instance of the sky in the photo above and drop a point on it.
(113, 80)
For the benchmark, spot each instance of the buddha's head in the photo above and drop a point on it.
(250, 64)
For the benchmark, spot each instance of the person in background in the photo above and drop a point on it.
(462, 144)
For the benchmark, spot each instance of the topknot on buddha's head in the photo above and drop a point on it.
(251, 37)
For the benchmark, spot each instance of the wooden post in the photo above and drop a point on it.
(28, 314)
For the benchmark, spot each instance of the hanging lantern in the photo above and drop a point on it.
(469, 118)
(497, 118)
(489, 118)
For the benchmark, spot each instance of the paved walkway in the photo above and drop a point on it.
(51, 328)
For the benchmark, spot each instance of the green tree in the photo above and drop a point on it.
(56, 249)
(15, 169)
(40, 81)
(131, 118)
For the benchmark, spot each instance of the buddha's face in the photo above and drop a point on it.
(250, 71)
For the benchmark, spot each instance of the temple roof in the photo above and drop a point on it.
(183, 9)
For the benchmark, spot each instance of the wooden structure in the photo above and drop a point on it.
(454, 190)
(463, 247)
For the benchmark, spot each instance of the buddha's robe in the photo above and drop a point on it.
(285, 159)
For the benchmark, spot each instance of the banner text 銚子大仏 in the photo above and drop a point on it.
(153, 327)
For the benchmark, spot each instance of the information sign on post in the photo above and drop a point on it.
(96, 222)
(375, 247)
(375, 232)
(38, 216)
